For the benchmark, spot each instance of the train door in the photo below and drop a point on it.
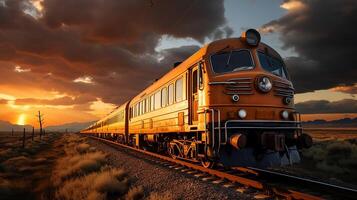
(193, 90)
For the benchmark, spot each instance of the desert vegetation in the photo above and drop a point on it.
(64, 167)
(332, 157)
(84, 173)
(23, 171)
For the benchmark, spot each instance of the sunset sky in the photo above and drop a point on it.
(75, 60)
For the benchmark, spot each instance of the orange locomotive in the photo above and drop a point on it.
(232, 102)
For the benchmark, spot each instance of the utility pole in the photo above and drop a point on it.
(40, 121)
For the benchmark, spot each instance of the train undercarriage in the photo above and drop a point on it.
(240, 147)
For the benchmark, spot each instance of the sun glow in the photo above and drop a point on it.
(21, 120)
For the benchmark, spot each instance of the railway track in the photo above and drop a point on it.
(268, 184)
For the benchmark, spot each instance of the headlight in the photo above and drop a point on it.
(264, 84)
(251, 37)
(285, 114)
(242, 113)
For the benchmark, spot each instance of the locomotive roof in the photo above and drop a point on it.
(204, 52)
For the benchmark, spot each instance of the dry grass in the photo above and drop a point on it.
(78, 165)
(337, 158)
(23, 169)
(161, 196)
(135, 193)
(100, 185)
(84, 173)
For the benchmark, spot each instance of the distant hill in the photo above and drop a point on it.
(342, 123)
(71, 127)
(7, 126)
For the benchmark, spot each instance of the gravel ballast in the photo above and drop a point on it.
(158, 178)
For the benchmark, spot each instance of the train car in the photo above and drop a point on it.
(232, 102)
(114, 125)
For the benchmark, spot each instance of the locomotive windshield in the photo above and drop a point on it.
(272, 64)
(232, 61)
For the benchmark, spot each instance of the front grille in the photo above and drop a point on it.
(239, 86)
(283, 89)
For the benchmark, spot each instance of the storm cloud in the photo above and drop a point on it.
(109, 43)
(323, 106)
(57, 101)
(323, 34)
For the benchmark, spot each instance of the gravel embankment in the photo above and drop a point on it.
(160, 179)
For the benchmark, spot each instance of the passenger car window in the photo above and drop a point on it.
(135, 111)
(152, 103)
(157, 100)
(171, 94)
(231, 61)
(143, 107)
(163, 97)
(148, 104)
(179, 90)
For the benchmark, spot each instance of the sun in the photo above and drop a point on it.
(21, 120)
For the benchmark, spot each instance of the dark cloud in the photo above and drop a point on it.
(323, 106)
(64, 101)
(129, 21)
(112, 42)
(323, 33)
(179, 54)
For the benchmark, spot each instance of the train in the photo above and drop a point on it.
(230, 103)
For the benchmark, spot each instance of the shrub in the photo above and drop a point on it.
(162, 196)
(82, 148)
(135, 193)
(98, 185)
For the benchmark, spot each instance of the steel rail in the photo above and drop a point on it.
(271, 190)
(328, 187)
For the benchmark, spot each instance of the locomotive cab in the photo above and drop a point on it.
(248, 104)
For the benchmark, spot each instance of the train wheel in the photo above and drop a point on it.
(208, 163)
(171, 152)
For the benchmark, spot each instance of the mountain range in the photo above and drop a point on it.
(7, 126)
(70, 127)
